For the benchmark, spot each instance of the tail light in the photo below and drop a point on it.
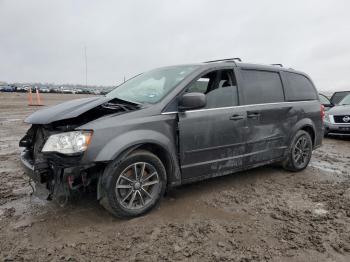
(323, 113)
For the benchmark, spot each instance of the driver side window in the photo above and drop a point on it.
(219, 87)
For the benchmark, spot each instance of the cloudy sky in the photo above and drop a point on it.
(44, 40)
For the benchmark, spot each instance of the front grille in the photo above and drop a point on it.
(345, 119)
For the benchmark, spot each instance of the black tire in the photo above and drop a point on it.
(299, 156)
(122, 172)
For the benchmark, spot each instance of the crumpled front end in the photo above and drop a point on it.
(55, 176)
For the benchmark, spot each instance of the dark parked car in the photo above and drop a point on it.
(337, 119)
(7, 88)
(171, 126)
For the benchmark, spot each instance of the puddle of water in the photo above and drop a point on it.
(324, 166)
(4, 120)
(23, 205)
(319, 210)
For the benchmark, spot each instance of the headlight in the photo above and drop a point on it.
(68, 142)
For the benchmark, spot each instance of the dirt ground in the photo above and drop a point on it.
(266, 214)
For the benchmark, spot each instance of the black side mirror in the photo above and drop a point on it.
(325, 101)
(328, 105)
(192, 101)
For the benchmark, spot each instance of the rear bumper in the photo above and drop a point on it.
(337, 129)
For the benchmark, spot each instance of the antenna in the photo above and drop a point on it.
(277, 65)
(86, 68)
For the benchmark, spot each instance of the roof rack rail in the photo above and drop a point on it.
(225, 60)
(277, 65)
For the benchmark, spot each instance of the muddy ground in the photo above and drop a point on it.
(266, 214)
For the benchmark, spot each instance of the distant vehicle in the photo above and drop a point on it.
(337, 118)
(338, 96)
(26, 88)
(7, 88)
(67, 91)
(22, 89)
(106, 91)
(77, 91)
(86, 91)
(44, 89)
(96, 92)
(55, 90)
(161, 129)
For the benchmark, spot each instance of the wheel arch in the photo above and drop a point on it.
(162, 154)
(309, 129)
(158, 144)
(306, 125)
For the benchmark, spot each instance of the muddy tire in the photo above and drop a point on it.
(136, 184)
(299, 153)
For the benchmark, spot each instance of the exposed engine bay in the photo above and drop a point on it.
(57, 176)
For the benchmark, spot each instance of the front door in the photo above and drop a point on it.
(212, 139)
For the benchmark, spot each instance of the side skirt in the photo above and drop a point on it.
(200, 178)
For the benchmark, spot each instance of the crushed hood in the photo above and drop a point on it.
(66, 110)
(339, 110)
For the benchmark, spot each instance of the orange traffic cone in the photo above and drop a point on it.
(30, 98)
(38, 100)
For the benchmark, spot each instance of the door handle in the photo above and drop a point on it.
(236, 117)
(253, 115)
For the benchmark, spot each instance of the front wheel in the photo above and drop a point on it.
(136, 184)
(300, 151)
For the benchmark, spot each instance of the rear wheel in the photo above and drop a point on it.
(137, 184)
(300, 152)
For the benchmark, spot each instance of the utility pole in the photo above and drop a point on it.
(86, 68)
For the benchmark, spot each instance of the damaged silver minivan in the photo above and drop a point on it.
(171, 126)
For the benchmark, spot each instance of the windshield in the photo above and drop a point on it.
(152, 86)
(338, 96)
(324, 100)
(345, 100)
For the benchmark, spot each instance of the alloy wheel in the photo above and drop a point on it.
(301, 151)
(137, 186)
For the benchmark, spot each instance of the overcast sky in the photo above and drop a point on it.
(44, 40)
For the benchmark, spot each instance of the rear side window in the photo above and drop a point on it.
(299, 88)
(262, 87)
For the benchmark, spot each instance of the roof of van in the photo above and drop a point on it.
(276, 67)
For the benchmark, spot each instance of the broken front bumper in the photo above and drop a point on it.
(55, 177)
(41, 189)
(28, 166)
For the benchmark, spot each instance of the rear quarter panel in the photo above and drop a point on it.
(306, 114)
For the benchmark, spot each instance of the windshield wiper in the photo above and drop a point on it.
(117, 103)
(127, 101)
